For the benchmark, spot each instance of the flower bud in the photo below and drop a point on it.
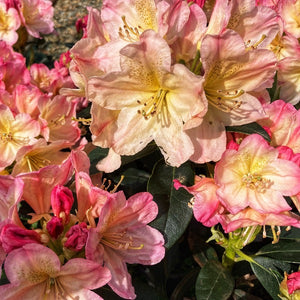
(55, 227)
(62, 201)
(76, 237)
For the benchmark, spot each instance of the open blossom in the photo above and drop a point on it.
(9, 23)
(231, 73)
(35, 272)
(253, 176)
(15, 132)
(283, 121)
(123, 236)
(150, 100)
(36, 16)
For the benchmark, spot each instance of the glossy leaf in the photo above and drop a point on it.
(214, 282)
(250, 129)
(174, 212)
(285, 251)
(267, 271)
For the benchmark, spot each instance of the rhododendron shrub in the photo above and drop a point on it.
(158, 158)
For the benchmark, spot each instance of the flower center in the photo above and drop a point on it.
(128, 33)
(36, 162)
(224, 100)
(120, 241)
(9, 137)
(153, 105)
(256, 182)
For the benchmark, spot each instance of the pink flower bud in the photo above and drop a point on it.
(293, 282)
(62, 201)
(77, 236)
(13, 237)
(55, 227)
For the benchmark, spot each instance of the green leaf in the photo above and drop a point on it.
(174, 212)
(214, 282)
(292, 234)
(250, 128)
(266, 271)
(95, 156)
(284, 250)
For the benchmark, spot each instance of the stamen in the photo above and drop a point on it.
(256, 44)
(224, 101)
(256, 182)
(120, 240)
(275, 237)
(152, 105)
(128, 33)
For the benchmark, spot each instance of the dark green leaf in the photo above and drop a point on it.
(292, 234)
(250, 129)
(95, 156)
(267, 272)
(284, 250)
(174, 212)
(214, 282)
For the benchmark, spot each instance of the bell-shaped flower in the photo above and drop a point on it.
(123, 236)
(10, 22)
(253, 176)
(37, 16)
(151, 100)
(232, 73)
(15, 132)
(35, 272)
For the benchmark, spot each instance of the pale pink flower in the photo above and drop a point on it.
(9, 23)
(38, 185)
(289, 78)
(57, 121)
(232, 74)
(35, 272)
(36, 16)
(11, 190)
(123, 236)
(151, 100)
(289, 12)
(26, 98)
(41, 154)
(13, 70)
(133, 17)
(15, 132)
(254, 176)
(257, 26)
(283, 121)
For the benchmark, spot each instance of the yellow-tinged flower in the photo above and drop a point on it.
(149, 100)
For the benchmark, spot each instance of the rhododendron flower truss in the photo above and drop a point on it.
(122, 235)
(153, 100)
(35, 272)
(255, 177)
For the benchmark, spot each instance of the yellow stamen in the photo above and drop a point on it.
(256, 182)
(153, 105)
(128, 33)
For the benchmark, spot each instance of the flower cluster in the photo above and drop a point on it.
(210, 83)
